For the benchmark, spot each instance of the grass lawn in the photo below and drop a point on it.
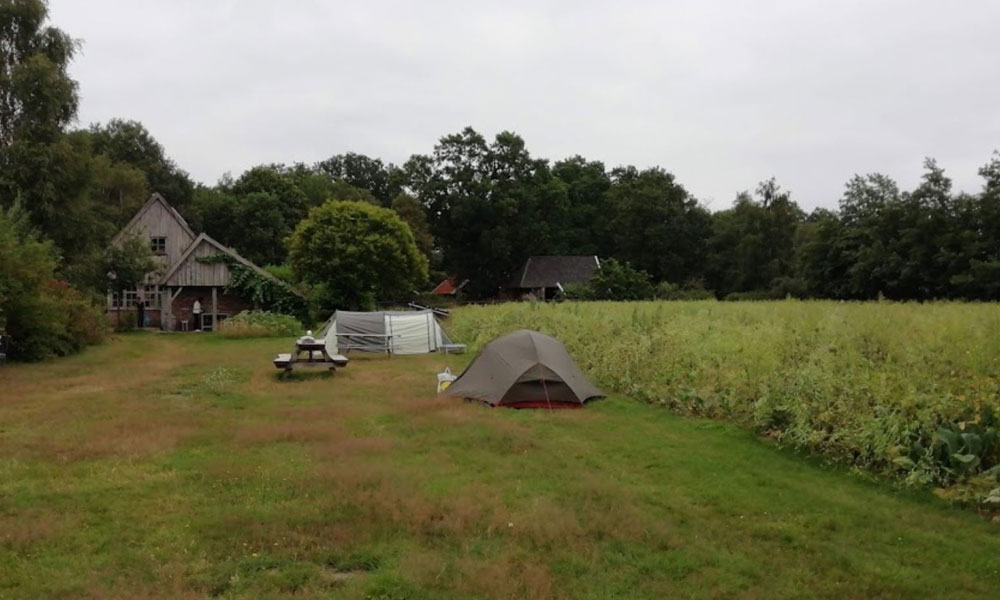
(179, 466)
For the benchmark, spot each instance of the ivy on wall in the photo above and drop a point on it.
(266, 292)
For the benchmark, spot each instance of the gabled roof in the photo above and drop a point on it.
(548, 271)
(449, 286)
(204, 237)
(154, 199)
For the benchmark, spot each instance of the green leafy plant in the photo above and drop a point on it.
(265, 291)
(354, 254)
(671, 291)
(904, 390)
(42, 316)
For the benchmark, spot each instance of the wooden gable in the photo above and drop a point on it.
(189, 270)
(157, 219)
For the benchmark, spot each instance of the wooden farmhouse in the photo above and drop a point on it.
(183, 275)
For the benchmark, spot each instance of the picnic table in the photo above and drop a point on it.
(316, 356)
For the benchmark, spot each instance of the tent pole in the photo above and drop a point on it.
(388, 340)
(546, 390)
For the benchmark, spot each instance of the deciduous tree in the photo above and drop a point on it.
(354, 254)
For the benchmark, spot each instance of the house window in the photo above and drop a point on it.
(150, 299)
(158, 245)
(126, 300)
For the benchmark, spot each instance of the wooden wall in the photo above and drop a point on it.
(195, 273)
(158, 221)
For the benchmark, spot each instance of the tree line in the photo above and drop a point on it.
(476, 207)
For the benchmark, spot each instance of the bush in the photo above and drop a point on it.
(754, 295)
(124, 320)
(671, 291)
(250, 324)
(790, 287)
(576, 291)
(86, 322)
(42, 316)
(354, 254)
(615, 281)
(781, 288)
(282, 272)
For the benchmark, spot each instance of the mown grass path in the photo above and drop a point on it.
(178, 466)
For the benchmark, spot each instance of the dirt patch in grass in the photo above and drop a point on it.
(20, 532)
(297, 431)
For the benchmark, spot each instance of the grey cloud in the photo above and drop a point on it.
(723, 94)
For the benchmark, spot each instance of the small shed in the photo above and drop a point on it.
(543, 276)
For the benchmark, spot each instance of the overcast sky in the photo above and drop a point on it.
(722, 94)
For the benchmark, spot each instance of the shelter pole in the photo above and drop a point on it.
(546, 390)
(389, 341)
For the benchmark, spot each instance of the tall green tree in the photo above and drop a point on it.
(130, 143)
(415, 216)
(255, 224)
(656, 225)
(37, 96)
(753, 244)
(587, 228)
(363, 172)
(39, 167)
(490, 205)
(869, 213)
(272, 179)
(354, 254)
(979, 218)
(821, 261)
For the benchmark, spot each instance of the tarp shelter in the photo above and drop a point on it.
(524, 369)
(399, 332)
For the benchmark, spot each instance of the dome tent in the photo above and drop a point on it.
(524, 369)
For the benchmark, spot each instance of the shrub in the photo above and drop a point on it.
(42, 316)
(614, 281)
(124, 320)
(576, 291)
(755, 295)
(249, 324)
(671, 291)
(282, 272)
(781, 288)
(618, 281)
(354, 254)
(86, 322)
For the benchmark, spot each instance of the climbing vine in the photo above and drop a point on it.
(266, 292)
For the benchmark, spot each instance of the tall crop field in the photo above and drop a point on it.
(911, 390)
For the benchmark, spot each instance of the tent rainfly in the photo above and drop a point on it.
(398, 332)
(524, 369)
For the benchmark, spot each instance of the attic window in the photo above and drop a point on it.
(158, 245)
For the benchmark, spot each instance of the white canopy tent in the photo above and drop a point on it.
(397, 332)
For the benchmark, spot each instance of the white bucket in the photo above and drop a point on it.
(444, 379)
